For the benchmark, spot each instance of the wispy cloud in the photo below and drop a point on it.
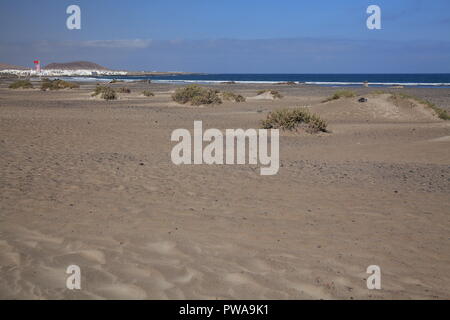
(126, 43)
(296, 55)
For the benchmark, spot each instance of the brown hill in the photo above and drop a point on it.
(5, 66)
(76, 65)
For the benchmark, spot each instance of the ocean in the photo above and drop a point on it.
(348, 80)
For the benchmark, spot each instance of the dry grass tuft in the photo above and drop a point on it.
(57, 84)
(341, 94)
(230, 96)
(196, 95)
(106, 93)
(148, 93)
(124, 90)
(24, 84)
(294, 119)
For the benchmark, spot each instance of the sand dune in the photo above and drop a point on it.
(378, 108)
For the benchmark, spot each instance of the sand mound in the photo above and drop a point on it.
(377, 108)
(263, 96)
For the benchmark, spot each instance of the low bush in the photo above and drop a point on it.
(109, 94)
(57, 84)
(294, 119)
(24, 84)
(148, 93)
(341, 94)
(124, 90)
(106, 93)
(98, 90)
(230, 96)
(196, 95)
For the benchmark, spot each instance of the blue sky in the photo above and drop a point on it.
(232, 36)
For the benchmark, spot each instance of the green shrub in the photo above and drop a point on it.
(441, 113)
(274, 93)
(341, 94)
(148, 93)
(124, 90)
(294, 119)
(109, 94)
(24, 84)
(57, 84)
(196, 95)
(106, 93)
(209, 97)
(230, 96)
(98, 89)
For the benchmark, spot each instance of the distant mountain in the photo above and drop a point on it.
(5, 66)
(76, 65)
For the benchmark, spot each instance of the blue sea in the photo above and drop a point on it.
(348, 80)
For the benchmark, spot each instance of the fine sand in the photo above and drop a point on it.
(89, 182)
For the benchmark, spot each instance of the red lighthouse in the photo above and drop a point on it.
(37, 63)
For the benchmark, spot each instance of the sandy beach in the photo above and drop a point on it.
(90, 182)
